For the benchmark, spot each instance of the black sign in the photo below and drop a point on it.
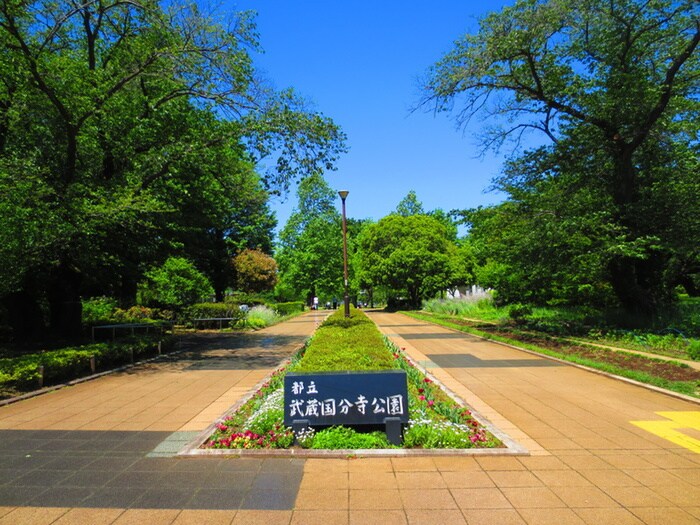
(345, 398)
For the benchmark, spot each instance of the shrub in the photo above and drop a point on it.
(288, 308)
(518, 312)
(214, 310)
(98, 310)
(175, 285)
(694, 350)
(346, 344)
(260, 317)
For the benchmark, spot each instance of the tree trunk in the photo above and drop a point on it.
(65, 307)
(24, 315)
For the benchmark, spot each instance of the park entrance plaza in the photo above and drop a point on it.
(599, 450)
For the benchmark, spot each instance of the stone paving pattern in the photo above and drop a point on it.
(86, 454)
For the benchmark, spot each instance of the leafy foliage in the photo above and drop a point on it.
(176, 284)
(412, 256)
(604, 212)
(255, 271)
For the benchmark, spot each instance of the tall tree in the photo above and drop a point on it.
(410, 205)
(614, 82)
(411, 256)
(310, 251)
(126, 113)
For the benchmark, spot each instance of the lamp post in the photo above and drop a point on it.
(343, 195)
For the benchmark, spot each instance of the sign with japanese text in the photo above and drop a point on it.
(345, 398)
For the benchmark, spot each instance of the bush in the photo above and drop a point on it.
(346, 344)
(338, 438)
(694, 350)
(214, 310)
(288, 308)
(518, 312)
(260, 317)
(98, 310)
(175, 285)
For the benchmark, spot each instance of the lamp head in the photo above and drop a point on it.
(343, 194)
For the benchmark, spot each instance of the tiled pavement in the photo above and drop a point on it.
(89, 453)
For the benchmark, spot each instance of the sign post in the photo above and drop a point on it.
(347, 398)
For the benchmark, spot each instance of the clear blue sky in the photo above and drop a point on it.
(359, 63)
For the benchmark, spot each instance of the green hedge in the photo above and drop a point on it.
(346, 344)
(288, 308)
(70, 363)
(214, 310)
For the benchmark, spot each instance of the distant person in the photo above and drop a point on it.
(315, 303)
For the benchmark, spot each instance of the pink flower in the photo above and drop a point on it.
(431, 403)
(422, 398)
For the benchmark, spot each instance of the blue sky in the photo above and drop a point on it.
(359, 63)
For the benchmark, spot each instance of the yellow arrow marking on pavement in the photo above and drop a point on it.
(670, 430)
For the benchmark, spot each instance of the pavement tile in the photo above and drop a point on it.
(552, 517)
(420, 480)
(269, 499)
(543, 463)
(576, 497)
(369, 480)
(664, 516)
(611, 478)
(122, 498)
(370, 465)
(480, 498)
(205, 517)
(32, 516)
(492, 517)
(466, 480)
(562, 478)
(427, 499)
(323, 465)
(378, 517)
(500, 463)
(164, 498)
(689, 475)
(320, 517)
(629, 461)
(329, 499)
(618, 516)
(150, 516)
(366, 499)
(681, 494)
(262, 517)
(514, 478)
(89, 517)
(532, 497)
(223, 499)
(413, 464)
(637, 497)
(585, 462)
(430, 517)
(456, 464)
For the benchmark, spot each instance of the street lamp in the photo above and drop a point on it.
(343, 195)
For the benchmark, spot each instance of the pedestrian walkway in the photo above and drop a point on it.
(600, 451)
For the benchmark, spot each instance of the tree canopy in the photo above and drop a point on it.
(129, 132)
(606, 203)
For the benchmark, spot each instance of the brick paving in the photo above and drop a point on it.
(101, 451)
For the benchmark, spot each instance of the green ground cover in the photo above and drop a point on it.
(435, 419)
(23, 373)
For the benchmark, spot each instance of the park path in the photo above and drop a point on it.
(101, 452)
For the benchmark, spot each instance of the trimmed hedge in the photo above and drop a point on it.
(214, 310)
(288, 308)
(346, 344)
(66, 364)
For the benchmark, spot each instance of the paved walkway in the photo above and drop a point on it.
(101, 451)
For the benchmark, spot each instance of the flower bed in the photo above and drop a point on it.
(435, 419)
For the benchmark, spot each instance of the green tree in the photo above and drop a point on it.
(256, 271)
(175, 285)
(614, 85)
(411, 256)
(410, 205)
(124, 116)
(310, 251)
